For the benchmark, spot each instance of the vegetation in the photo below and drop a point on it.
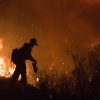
(82, 84)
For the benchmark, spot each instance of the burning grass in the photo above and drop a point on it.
(82, 83)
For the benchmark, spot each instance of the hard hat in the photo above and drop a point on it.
(33, 41)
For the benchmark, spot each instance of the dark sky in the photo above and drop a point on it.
(53, 22)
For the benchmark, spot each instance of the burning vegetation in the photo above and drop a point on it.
(81, 81)
(4, 70)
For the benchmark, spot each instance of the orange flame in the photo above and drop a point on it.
(4, 72)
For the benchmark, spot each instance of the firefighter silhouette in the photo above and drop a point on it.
(19, 56)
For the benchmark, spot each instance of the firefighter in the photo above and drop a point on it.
(24, 53)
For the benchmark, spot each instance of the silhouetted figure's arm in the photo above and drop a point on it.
(34, 63)
(27, 49)
(32, 59)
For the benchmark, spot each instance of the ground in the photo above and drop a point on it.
(19, 92)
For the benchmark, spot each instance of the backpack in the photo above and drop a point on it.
(15, 55)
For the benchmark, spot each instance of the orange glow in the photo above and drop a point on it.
(1, 43)
(37, 79)
(94, 43)
(4, 72)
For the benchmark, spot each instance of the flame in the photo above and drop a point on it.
(37, 79)
(11, 71)
(4, 71)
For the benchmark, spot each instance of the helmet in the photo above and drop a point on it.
(33, 41)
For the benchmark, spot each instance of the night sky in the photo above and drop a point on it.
(55, 23)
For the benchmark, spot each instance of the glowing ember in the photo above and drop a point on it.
(51, 66)
(37, 79)
(63, 63)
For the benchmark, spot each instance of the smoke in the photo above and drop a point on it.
(55, 24)
(78, 19)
